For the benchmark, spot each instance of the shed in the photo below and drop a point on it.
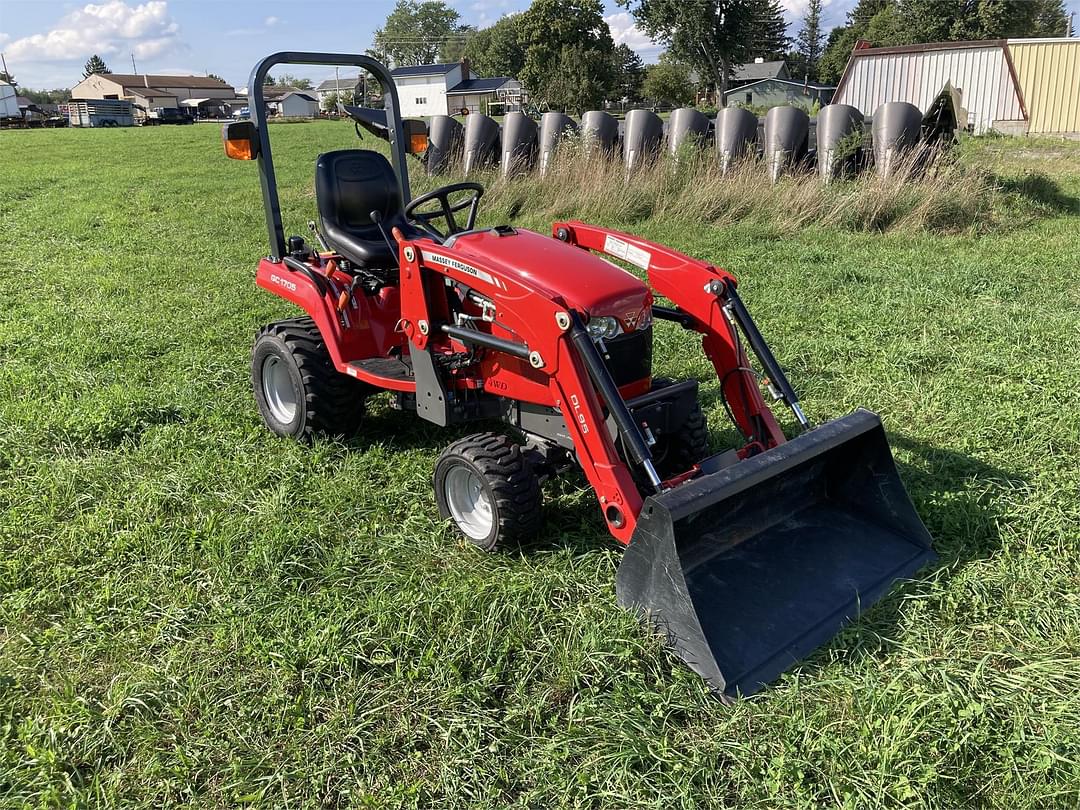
(295, 104)
(982, 72)
(777, 92)
(1049, 74)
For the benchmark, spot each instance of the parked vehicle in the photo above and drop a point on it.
(101, 112)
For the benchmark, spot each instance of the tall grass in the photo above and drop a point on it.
(926, 190)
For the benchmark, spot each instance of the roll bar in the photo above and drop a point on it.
(257, 108)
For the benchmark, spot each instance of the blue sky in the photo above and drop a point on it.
(46, 42)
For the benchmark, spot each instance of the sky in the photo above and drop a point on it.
(46, 42)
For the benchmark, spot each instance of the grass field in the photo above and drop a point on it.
(194, 613)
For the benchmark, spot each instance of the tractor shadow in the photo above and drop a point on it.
(959, 501)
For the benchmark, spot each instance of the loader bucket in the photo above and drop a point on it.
(748, 569)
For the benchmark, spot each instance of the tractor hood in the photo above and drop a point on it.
(583, 280)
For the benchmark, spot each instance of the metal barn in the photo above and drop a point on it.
(1049, 74)
(983, 72)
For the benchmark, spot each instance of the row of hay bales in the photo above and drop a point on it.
(521, 145)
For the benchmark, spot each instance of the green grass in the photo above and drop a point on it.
(194, 613)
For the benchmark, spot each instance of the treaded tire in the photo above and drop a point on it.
(508, 482)
(320, 398)
(679, 451)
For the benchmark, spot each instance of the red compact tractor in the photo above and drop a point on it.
(746, 559)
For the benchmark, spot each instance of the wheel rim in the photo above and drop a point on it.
(278, 390)
(469, 503)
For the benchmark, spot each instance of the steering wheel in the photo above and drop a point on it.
(446, 210)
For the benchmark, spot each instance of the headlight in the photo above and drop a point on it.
(603, 327)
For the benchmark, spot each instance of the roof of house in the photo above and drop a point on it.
(299, 94)
(478, 85)
(807, 85)
(151, 80)
(348, 83)
(753, 71)
(275, 93)
(424, 70)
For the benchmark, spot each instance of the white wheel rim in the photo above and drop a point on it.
(469, 503)
(278, 390)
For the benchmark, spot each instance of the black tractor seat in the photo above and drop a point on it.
(349, 185)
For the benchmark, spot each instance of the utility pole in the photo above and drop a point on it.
(134, 69)
(4, 62)
(1069, 29)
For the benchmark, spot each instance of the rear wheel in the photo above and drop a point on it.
(297, 388)
(486, 486)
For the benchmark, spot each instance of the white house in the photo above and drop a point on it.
(422, 89)
(449, 88)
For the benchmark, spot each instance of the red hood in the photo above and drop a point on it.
(583, 280)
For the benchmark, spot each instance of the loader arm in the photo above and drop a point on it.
(688, 283)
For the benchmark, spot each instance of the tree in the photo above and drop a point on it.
(453, 49)
(95, 64)
(268, 81)
(549, 26)
(330, 101)
(629, 72)
(809, 40)
(416, 31)
(295, 82)
(580, 80)
(498, 50)
(215, 76)
(769, 38)
(58, 96)
(669, 80)
(713, 35)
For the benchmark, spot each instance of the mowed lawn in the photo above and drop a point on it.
(195, 613)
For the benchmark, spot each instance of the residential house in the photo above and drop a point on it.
(778, 92)
(291, 103)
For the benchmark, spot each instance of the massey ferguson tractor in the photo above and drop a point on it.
(745, 560)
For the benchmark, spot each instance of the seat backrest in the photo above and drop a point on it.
(349, 185)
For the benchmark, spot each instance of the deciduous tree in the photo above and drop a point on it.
(498, 50)
(416, 31)
(669, 80)
(550, 26)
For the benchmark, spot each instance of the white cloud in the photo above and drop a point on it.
(625, 32)
(270, 21)
(112, 28)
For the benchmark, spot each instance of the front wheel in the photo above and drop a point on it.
(488, 489)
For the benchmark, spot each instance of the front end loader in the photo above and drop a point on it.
(745, 560)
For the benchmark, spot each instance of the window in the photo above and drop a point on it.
(421, 101)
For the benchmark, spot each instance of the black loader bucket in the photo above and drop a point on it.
(748, 569)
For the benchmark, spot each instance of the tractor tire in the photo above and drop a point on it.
(686, 446)
(488, 489)
(297, 389)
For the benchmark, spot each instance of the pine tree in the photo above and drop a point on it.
(809, 40)
(95, 64)
(769, 30)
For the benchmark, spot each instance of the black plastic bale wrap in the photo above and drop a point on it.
(749, 569)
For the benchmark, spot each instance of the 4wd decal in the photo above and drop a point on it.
(468, 269)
